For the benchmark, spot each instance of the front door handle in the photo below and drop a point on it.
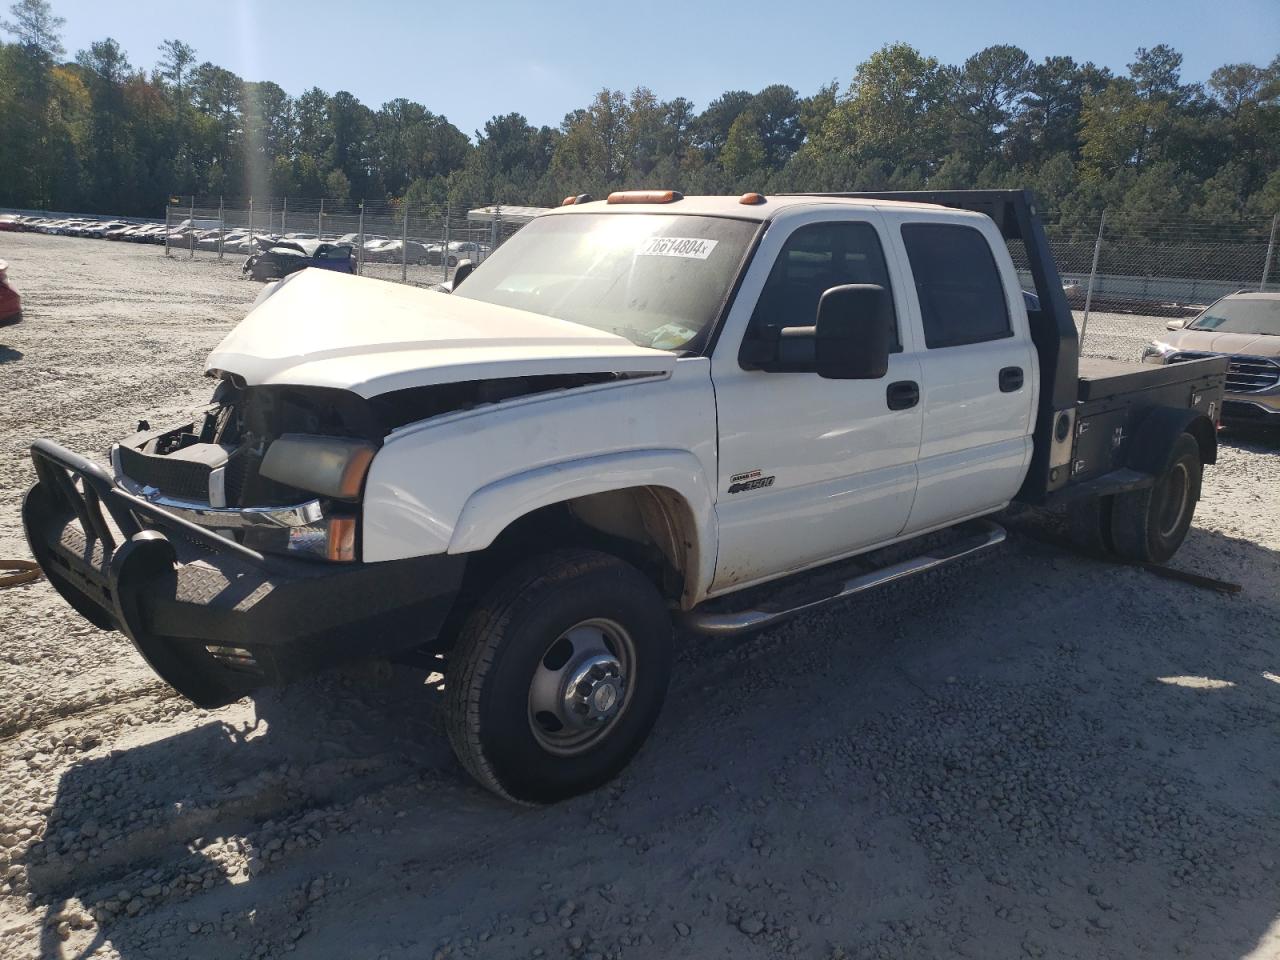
(1010, 379)
(902, 395)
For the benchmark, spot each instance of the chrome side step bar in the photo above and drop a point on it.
(720, 624)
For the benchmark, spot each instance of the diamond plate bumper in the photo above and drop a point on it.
(211, 617)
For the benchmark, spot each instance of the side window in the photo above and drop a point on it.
(814, 259)
(961, 296)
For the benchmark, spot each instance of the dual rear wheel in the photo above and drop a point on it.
(1145, 525)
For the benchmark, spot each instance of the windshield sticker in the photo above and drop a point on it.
(691, 248)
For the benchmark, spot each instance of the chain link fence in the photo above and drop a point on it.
(1126, 278)
(392, 240)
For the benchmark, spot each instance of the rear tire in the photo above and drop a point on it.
(1089, 525)
(1149, 525)
(526, 712)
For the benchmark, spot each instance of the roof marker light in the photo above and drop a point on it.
(580, 198)
(645, 196)
(751, 199)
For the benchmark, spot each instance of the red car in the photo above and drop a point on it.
(10, 302)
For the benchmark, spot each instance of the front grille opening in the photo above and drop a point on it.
(1244, 374)
(183, 479)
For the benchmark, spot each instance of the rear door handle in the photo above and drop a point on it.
(902, 395)
(1010, 379)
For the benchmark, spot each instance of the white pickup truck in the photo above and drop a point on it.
(638, 411)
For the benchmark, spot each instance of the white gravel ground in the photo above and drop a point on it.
(1035, 754)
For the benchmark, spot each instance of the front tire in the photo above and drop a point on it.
(1149, 525)
(558, 676)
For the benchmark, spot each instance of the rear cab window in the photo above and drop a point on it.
(962, 298)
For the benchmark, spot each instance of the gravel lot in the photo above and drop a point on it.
(1035, 754)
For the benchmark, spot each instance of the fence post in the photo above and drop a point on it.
(1093, 273)
(284, 215)
(404, 241)
(320, 221)
(222, 226)
(252, 245)
(493, 232)
(191, 226)
(1271, 250)
(360, 250)
(444, 250)
(168, 205)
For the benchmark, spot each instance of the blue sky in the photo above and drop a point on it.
(469, 61)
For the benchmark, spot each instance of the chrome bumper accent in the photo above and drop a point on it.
(240, 518)
(221, 517)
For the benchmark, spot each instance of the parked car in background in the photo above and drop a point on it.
(373, 248)
(10, 221)
(279, 257)
(396, 251)
(209, 240)
(147, 233)
(458, 250)
(1244, 328)
(98, 230)
(10, 302)
(199, 223)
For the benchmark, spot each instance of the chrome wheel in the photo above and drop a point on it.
(1177, 492)
(579, 688)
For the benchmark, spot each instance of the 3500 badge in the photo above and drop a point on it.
(751, 480)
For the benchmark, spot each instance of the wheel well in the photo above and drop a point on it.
(650, 527)
(1206, 437)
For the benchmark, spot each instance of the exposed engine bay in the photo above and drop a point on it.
(275, 465)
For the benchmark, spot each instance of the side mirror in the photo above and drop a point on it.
(462, 271)
(854, 333)
(1175, 324)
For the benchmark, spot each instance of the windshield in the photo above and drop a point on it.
(657, 279)
(1241, 315)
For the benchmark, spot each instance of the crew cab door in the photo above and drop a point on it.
(979, 382)
(811, 469)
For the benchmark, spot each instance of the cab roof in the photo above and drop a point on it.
(730, 206)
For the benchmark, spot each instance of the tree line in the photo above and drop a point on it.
(97, 134)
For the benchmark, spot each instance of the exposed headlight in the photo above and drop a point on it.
(333, 467)
(1157, 352)
(330, 466)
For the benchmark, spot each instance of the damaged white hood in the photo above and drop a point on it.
(327, 329)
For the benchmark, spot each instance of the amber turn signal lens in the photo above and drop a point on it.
(751, 199)
(342, 539)
(645, 196)
(568, 201)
